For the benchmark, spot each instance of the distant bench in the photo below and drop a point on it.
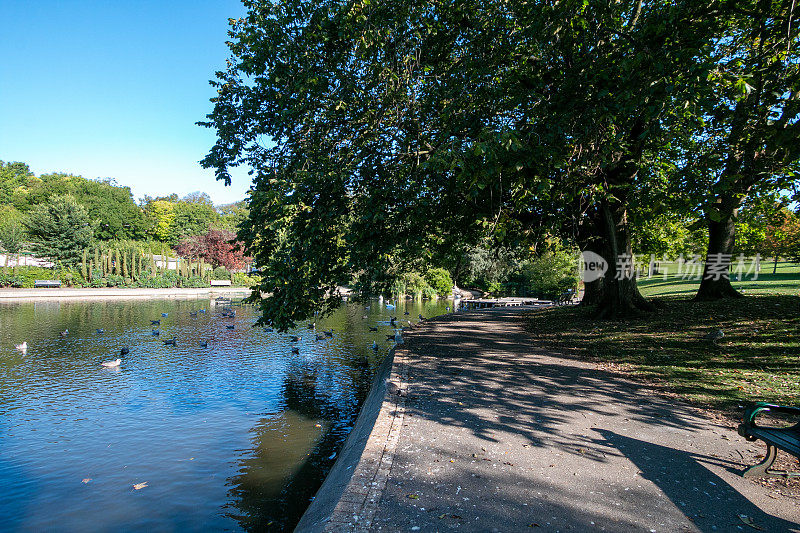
(47, 283)
(784, 438)
(220, 282)
(565, 297)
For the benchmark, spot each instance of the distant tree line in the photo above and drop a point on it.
(61, 217)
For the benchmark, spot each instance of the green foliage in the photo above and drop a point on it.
(59, 230)
(12, 231)
(553, 272)
(240, 279)
(221, 273)
(439, 279)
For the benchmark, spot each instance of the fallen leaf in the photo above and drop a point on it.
(749, 521)
(86, 480)
(412, 496)
(140, 486)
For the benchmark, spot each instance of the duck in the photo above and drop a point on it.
(124, 351)
(295, 338)
(295, 350)
(112, 364)
(203, 311)
(364, 317)
(328, 333)
(390, 337)
(22, 347)
(155, 333)
(373, 328)
(64, 333)
(312, 326)
(155, 322)
(164, 315)
(170, 342)
(193, 315)
(320, 337)
(447, 308)
(267, 330)
(406, 313)
(421, 317)
(375, 346)
(230, 326)
(100, 330)
(204, 344)
(389, 306)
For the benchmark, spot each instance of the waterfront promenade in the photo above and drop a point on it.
(474, 428)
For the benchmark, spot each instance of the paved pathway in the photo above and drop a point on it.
(482, 431)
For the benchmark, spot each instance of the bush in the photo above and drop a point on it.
(428, 293)
(194, 282)
(115, 280)
(439, 279)
(221, 273)
(240, 279)
(553, 272)
(24, 276)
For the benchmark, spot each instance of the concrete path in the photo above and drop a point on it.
(481, 431)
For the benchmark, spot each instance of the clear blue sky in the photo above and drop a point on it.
(107, 88)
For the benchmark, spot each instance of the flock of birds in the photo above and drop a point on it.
(228, 312)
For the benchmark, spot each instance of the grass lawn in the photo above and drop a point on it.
(757, 359)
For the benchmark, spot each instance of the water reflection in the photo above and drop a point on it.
(238, 435)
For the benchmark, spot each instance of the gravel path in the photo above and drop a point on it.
(482, 431)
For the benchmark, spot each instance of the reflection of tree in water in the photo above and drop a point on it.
(268, 493)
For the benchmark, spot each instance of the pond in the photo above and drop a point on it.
(235, 436)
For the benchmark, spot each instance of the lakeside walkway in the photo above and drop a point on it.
(476, 429)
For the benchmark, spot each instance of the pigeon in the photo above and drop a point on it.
(124, 351)
(714, 336)
(111, 364)
(155, 322)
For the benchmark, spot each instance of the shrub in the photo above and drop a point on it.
(240, 279)
(221, 273)
(439, 279)
(428, 293)
(552, 272)
(194, 282)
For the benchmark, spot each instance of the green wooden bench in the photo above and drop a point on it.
(783, 438)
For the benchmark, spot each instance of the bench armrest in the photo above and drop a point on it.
(752, 412)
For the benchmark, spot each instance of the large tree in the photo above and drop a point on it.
(59, 230)
(749, 143)
(415, 129)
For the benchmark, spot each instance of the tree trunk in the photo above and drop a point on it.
(620, 297)
(716, 282)
(775, 265)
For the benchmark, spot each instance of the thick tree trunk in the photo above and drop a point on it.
(621, 295)
(716, 282)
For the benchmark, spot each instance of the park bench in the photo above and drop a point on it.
(220, 282)
(565, 297)
(783, 438)
(46, 283)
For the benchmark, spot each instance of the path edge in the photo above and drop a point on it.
(348, 498)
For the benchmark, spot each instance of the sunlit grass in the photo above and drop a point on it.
(757, 359)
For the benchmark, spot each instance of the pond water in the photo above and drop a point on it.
(236, 436)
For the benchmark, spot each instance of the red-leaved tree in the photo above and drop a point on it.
(218, 247)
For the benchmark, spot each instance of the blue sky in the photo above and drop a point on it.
(113, 89)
